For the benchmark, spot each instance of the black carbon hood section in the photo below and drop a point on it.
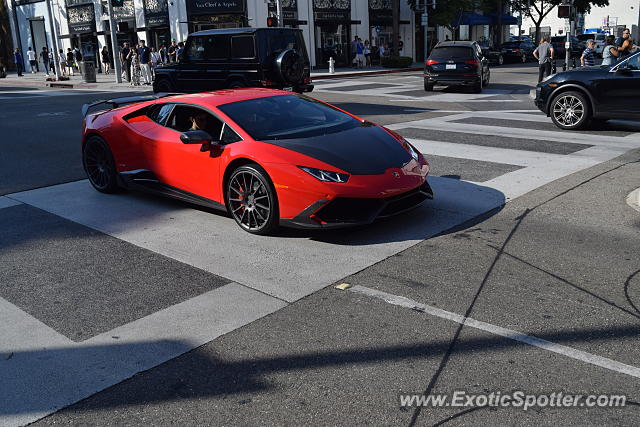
(364, 150)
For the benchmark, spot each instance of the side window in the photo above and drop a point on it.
(228, 136)
(217, 47)
(159, 113)
(186, 117)
(242, 47)
(634, 63)
(196, 49)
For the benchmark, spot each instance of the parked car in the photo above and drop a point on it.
(239, 57)
(517, 51)
(493, 55)
(599, 38)
(574, 98)
(558, 43)
(521, 38)
(457, 63)
(267, 157)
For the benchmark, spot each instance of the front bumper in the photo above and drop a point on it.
(343, 212)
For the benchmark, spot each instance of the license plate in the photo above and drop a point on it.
(451, 67)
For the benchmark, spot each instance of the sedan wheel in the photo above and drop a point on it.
(251, 200)
(99, 165)
(570, 110)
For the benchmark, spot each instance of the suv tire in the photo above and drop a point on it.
(290, 67)
(236, 84)
(163, 85)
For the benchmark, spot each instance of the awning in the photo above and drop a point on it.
(468, 18)
(506, 19)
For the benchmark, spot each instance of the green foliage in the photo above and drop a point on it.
(396, 61)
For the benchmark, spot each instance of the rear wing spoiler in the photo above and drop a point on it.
(110, 104)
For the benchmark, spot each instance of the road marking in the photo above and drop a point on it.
(633, 199)
(39, 381)
(563, 350)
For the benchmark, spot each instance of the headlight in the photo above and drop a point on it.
(414, 153)
(326, 176)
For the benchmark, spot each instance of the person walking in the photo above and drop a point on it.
(62, 58)
(156, 60)
(610, 52)
(360, 53)
(171, 51)
(164, 57)
(627, 43)
(134, 59)
(52, 61)
(144, 57)
(588, 55)
(367, 53)
(125, 60)
(544, 54)
(179, 51)
(106, 59)
(71, 60)
(33, 60)
(17, 59)
(77, 56)
(44, 55)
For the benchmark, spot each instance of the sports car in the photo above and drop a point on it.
(267, 157)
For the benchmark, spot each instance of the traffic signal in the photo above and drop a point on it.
(564, 11)
(272, 21)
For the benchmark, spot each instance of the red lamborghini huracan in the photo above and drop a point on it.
(267, 157)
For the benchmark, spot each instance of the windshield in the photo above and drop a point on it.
(287, 117)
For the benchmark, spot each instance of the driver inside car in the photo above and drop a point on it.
(202, 121)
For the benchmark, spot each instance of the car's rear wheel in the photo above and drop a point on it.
(99, 165)
(428, 86)
(570, 110)
(237, 84)
(251, 200)
(163, 85)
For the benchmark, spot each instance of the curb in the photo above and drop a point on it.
(363, 73)
(633, 199)
(57, 85)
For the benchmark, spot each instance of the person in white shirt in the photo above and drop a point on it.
(33, 60)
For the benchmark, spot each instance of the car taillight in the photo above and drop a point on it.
(515, 50)
(307, 79)
(432, 62)
(267, 83)
(472, 62)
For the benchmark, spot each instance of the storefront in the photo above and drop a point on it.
(156, 15)
(380, 26)
(332, 20)
(81, 19)
(211, 14)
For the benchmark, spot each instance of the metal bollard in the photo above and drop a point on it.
(332, 65)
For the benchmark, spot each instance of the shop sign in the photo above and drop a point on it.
(204, 7)
(81, 19)
(156, 13)
(332, 16)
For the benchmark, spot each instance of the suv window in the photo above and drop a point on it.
(452, 52)
(196, 49)
(208, 47)
(242, 47)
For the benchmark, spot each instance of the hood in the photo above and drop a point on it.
(364, 150)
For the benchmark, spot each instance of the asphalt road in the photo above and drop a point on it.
(522, 275)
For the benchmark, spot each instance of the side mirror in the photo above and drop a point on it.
(195, 137)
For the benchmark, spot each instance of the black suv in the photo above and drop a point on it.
(574, 98)
(238, 57)
(456, 63)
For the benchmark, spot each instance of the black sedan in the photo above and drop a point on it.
(518, 51)
(456, 63)
(574, 98)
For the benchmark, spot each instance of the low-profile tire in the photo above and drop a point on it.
(428, 87)
(570, 110)
(163, 85)
(99, 165)
(252, 200)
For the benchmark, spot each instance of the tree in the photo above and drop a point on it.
(446, 12)
(537, 10)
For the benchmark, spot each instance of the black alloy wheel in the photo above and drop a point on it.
(163, 85)
(236, 84)
(570, 110)
(251, 200)
(99, 165)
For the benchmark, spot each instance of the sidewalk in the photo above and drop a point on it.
(108, 82)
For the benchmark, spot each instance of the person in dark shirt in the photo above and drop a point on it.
(172, 51)
(144, 56)
(179, 51)
(17, 59)
(125, 59)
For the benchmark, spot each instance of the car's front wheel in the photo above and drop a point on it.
(99, 164)
(570, 110)
(251, 200)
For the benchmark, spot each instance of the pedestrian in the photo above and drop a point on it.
(62, 58)
(360, 53)
(156, 60)
(179, 51)
(544, 54)
(610, 52)
(44, 55)
(164, 57)
(125, 60)
(134, 59)
(144, 57)
(400, 46)
(106, 59)
(588, 55)
(17, 59)
(52, 61)
(71, 60)
(354, 55)
(367, 53)
(77, 56)
(627, 43)
(171, 51)
(33, 60)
